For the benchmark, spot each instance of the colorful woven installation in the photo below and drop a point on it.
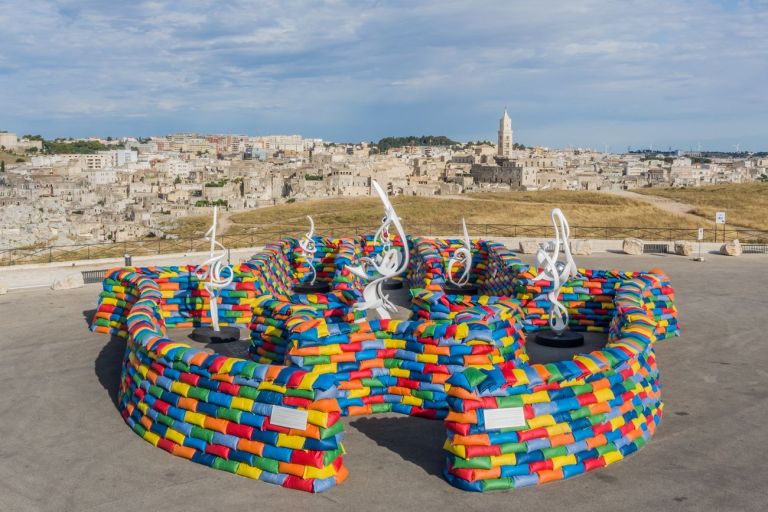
(270, 338)
(402, 366)
(323, 260)
(515, 427)
(494, 267)
(384, 365)
(589, 299)
(183, 298)
(461, 358)
(224, 412)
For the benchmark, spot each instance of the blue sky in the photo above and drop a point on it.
(582, 73)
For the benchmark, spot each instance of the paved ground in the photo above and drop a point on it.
(63, 445)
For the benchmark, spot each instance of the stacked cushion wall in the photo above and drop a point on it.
(217, 410)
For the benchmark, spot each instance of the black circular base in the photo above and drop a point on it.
(565, 339)
(452, 289)
(208, 335)
(391, 284)
(316, 287)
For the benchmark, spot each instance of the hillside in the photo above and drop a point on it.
(433, 215)
(745, 204)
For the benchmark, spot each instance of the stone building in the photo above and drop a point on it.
(505, 145)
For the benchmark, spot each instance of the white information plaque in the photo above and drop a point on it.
(719, 217)
(288, 418)
(504, 418)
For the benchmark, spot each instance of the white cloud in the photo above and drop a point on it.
(331, 68)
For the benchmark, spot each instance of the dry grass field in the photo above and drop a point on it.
(11, 158)
(745, 204)
(430, 215)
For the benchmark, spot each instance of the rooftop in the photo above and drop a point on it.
(65, 446)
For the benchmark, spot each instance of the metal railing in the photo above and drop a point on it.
(656, 248)
(754, 248)
(93, 276)
(260, 235)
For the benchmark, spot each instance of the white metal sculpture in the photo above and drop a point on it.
(390, 262)
(461, 256)
(211, 271)
(557, 272)
(308, 247)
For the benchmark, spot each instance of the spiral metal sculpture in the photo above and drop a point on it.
(308, 247)
(556, 271)
(212, 272)
(387, 264)
(461, 256)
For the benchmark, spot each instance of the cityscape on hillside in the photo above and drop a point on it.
(100, 190)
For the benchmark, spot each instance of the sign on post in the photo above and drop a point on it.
(700, 237)
(720, 219)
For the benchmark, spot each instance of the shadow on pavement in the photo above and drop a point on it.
(108, 366)
(541, 354)
(88, 316)
(416, 440)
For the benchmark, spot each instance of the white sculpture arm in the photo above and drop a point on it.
(463, 256)
(387, 264)
(211, 271)
(309, 248)
(556, 271)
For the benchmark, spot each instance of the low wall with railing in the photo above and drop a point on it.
(261, 236)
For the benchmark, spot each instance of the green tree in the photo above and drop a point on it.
(75, 147)
(2, 165)
(425, 140)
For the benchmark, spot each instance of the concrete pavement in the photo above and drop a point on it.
(63, 445)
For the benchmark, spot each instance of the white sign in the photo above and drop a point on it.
(719, 217)
(289, 418)
(700, 236)
(504, 418)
